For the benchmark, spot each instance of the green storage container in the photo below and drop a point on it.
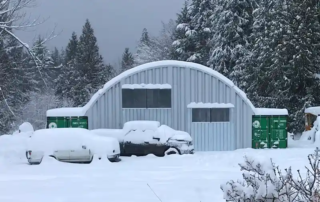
(79, 122)
(58, 122)
(269, 131)
(67, 122)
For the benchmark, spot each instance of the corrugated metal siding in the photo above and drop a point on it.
(188, 85)
(162, 115)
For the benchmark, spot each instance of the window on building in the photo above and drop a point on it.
(158, 98)
(134, 98)
(220, 115)
(210, 115)
(146, 98)
(200, 115)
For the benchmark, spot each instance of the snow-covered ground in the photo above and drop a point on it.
(188, 178)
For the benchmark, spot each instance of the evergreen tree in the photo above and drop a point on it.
(57, 59)
(182, 45)
(15, 84)
(127, 60)
(200, 30)
(147, 49)
(46, 73)
(232, 24)
(90, 65)
(69, 75)
(284, 58)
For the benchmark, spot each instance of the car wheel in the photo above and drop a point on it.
(171, 151)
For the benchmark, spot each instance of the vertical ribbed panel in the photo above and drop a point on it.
(188, 85)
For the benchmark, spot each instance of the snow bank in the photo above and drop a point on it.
(62, 112)
(209, 105)
(26, 127)
(50, 140)
(271, 111)
(146, 86)
(115, 133)
(13, 147)
(141, 125)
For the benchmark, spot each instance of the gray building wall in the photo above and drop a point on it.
(189, 84)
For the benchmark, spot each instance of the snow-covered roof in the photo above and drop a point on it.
(158, 64)
(209, 105)
(62, 112)
(313, 110)
(146, 86)
(271, 111)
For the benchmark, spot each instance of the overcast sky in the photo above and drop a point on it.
(117, 23)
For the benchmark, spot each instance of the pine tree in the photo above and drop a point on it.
(127, 60)
(15, 84)
(69, 75)
(90, 65)
(200, 32)
(281, 67)
(147, 50)
(232, 24)
(57, 59)
(182, 45)
(46, 73)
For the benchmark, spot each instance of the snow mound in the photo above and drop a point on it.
(13, 148)
(50, 140)
(26, 127)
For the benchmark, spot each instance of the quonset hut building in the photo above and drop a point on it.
(183, 95)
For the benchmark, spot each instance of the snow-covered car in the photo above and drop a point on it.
(74, 145)
(141, 138)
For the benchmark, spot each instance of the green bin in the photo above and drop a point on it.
(269, 131)
(67, 122)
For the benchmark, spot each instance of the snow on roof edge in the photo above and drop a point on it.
(62, 112)
(146, 86)
(313, 110)
(271, 111)
(158, 64)
(209, 105)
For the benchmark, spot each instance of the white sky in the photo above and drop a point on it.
(117, 23)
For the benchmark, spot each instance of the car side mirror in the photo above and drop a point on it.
(156, 138)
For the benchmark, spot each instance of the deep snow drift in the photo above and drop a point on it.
(186, 178)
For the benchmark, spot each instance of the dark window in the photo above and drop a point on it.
(134, 98)
(158, 98)
(219, 115)
(146, 98)
(200, 115)
(210, 115)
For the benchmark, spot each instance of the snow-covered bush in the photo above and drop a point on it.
(267, 183)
